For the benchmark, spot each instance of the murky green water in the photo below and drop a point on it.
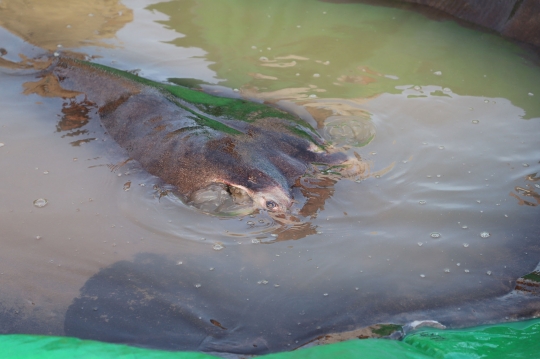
(447, 118)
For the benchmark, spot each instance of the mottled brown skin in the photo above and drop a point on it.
(265, 159)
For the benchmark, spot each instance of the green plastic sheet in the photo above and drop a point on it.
(508, 340)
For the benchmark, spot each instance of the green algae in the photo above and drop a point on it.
(222, 107)
(534, 276)
(386, 329)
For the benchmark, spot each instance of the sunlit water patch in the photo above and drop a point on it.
(445, 215)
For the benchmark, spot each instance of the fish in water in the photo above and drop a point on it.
(193, 140)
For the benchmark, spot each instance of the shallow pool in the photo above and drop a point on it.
(446, 218)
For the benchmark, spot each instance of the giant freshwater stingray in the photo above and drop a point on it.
(193, 140)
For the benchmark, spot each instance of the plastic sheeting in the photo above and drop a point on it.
(508, 340)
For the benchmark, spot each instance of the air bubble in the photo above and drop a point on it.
(485, 234)
(40, 202)
(435, 235)
(217, 247)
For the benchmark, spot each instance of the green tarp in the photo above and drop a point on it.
(509, 340)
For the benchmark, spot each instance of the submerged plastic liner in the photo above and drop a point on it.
(509, 340)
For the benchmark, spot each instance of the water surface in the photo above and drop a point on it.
(440, 227)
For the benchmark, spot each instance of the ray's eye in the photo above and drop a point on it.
(271, 205)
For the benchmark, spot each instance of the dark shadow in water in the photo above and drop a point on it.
(154, 302)
(11, 319)
(26, 318)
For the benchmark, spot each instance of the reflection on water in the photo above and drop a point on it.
(347, 50)
(446, 118)
(56, 25)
